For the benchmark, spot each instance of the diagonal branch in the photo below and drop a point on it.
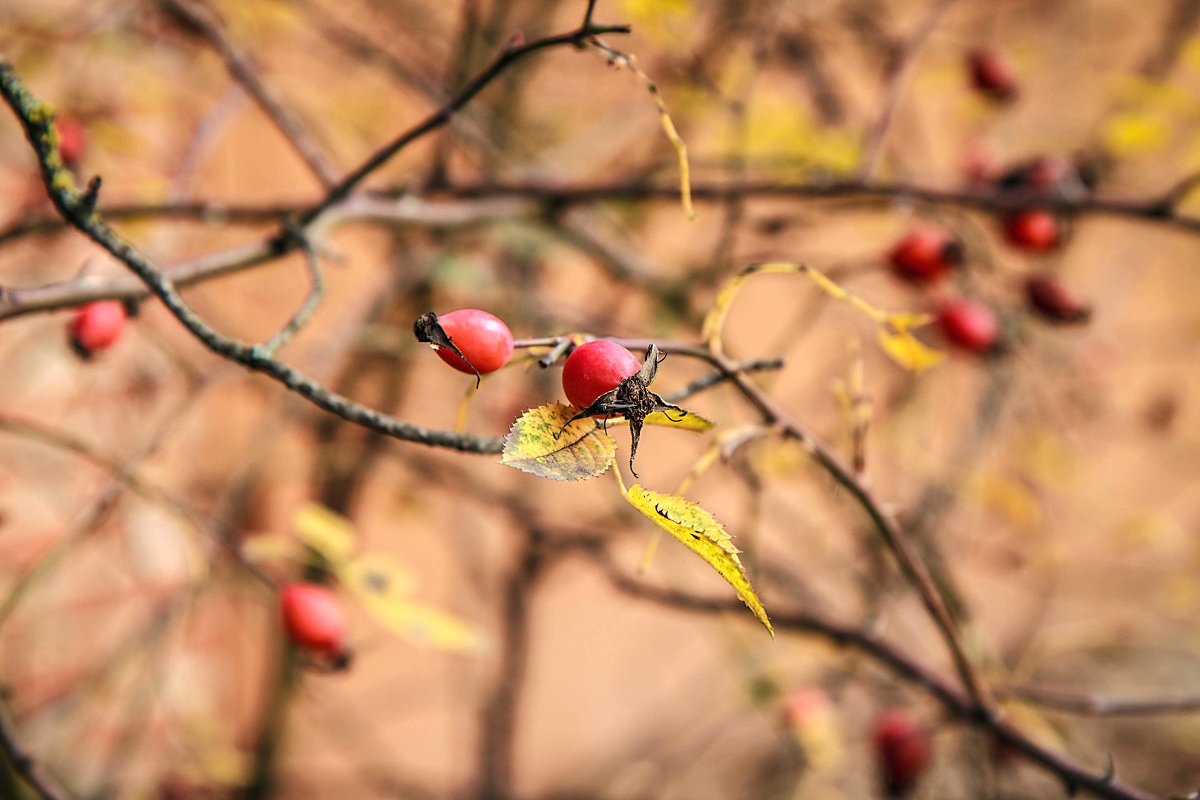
(203, 20)
(78, 207)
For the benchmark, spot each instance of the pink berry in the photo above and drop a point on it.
(482, 337)
(312, 618)
(925, 254)
(96, 326)
(969, 324)
(594, 368)
(903, 751)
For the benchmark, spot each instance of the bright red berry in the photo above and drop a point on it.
(925, 254)
(482, 337)
(72, 139)
(1053, 301)
(1034, 230)
(96, 326)
(992, 74)
(594, 368)
(969, 324)
(903, 750)
(312, 618)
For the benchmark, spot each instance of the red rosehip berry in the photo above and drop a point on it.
(594, 368)
(313, 618)
(992, 74)
(902, 749)
(969, 324)
(482, 337)
(1054, 302)
(925, 254)
(1034, 230)
(96, 326)
(72, 139)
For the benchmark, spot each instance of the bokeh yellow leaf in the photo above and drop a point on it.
(327, 533)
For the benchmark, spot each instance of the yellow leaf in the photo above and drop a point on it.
(714, 322)
(903, 321)
(384, 587)
(663, 21)
(266, 547)
(1010, 497)
(688, 422)
(700, 532)
(426, 626)
(535, 445)
(1135, 132)
(908, 351)
(1191, 53)
(329, 534)
(379, 575)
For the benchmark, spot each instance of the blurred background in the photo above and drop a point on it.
(153, 496)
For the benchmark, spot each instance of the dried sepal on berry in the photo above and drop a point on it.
(633, 400)
(427, 329)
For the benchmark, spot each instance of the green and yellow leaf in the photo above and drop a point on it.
(700, 532)
(535, 445)
(327, 533)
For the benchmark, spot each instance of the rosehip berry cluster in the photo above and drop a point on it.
(313, 621)
(96, 326)
(903, 751)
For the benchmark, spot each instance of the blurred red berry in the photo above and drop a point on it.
(925, 254)
(1054, 302)
(72, 139)
(969, 324)
(992, 74)
(313, 618)
(902, 749)
(96, 326)
(1033, 230)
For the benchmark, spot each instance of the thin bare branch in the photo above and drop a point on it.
(204, 21)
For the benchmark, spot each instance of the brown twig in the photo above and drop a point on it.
(204, 21)
(899, 71)
(23, 764)
(898, 663)
(1071, 702)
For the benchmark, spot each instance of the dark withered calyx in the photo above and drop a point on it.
(633, 400)
(427, 329)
